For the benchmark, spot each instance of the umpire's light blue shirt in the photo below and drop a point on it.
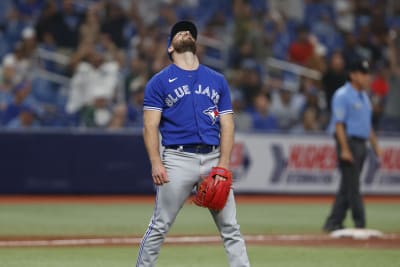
(353, 109)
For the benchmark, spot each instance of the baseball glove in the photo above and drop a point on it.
(211, 194)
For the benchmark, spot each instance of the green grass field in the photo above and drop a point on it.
(132, 219)
(199, 256)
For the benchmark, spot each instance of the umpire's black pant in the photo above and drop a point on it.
(348, 195)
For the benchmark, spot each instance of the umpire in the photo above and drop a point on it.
(351, 126)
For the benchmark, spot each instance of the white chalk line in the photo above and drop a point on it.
(168, 240)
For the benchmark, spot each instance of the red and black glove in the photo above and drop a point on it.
(212, 193)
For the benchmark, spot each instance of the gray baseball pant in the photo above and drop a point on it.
(184, 172)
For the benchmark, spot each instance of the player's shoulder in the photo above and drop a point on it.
(341, 91)
(341, 96)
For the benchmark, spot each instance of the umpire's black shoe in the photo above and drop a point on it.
(331, 228)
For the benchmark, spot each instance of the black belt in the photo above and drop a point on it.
(357, 139)
(194, 148)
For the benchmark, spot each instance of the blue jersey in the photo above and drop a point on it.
(191, 103)
(353, 109)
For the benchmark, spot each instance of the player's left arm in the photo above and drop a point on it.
(227, 126)
(226, 139)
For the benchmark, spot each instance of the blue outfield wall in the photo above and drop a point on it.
(74, 162)
(80, 161)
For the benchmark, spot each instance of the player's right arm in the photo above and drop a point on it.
(151, 120)
(339, 112)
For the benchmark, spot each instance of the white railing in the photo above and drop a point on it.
(58, 58)
(219, 45)
(53, 56)
(51, 76)
(295, 68)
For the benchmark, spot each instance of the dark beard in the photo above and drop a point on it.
(187, 45)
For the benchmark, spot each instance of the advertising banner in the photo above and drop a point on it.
(91, 162)
(265, 163)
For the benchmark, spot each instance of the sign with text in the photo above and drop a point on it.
(307, 164)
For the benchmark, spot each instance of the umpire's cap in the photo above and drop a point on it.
(360, 65)
(183, 25)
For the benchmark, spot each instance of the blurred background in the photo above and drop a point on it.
(73, 63)
(73, 74)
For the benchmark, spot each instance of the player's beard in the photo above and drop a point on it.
(185, 45)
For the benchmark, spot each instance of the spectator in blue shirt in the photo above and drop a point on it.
(135, 108)
(8, 78)
(27, 118)
(20, 93)
(261, 117)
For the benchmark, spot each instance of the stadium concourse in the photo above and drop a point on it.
(70, 63)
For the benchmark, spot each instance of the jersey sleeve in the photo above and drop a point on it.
(225, 102)
(153, 96)
(339, 111)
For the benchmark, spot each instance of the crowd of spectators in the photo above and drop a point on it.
(102, 53)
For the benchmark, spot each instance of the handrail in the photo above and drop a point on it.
(43, 54)
(53, 56)
(295, 68)
(218, 45)
(212, 42)
(51, 76)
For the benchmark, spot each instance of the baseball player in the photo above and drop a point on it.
(189, 104)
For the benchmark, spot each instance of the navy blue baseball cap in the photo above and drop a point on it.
(360, 65)
(183, 25)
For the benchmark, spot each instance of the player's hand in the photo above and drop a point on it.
(346, 155)
(378, 155)
(218, 178)
(159, 174)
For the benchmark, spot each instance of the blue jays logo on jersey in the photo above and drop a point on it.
(212, 112)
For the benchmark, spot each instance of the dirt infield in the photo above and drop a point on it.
(321, 240)
(386, 241)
